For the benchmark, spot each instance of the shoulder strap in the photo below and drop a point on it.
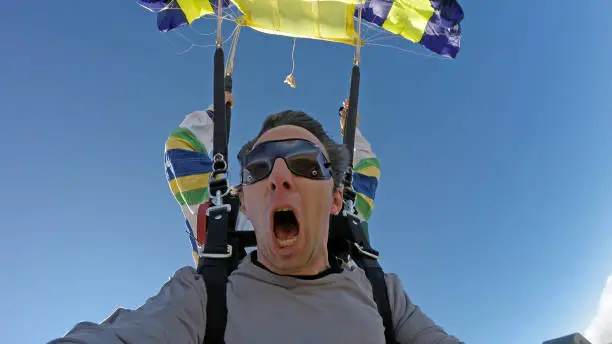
(216, 257)
(347, 237)
(212, 265)
(223, 251)
(367, 259)
(349, 228)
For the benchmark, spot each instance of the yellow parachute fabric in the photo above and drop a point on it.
(325, 20)
(409, 18)
(434, 24)
(194, 9)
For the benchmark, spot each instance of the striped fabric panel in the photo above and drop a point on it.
(188, 167)
(181, 163)
(368, 167)
(193, 242)
(184, 135)
(366, 184)
(432, 23)
(364, 206)
(173, 14)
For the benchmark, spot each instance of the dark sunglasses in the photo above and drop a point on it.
(302, 157)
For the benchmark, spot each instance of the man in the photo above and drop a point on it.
(287, 291)
(188, 168)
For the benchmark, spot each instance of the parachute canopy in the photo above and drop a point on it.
(435, 24)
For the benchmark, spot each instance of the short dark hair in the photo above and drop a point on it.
(338, 153)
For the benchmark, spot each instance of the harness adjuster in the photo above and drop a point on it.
(366, 252)
(351, 216)
(225, 255)
(227, 207)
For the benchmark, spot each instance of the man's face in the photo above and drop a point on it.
(287, 245)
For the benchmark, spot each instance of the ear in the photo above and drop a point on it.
(242, 206)
(337, 201)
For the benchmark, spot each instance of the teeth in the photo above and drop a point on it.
(288, 242)
(283, 209)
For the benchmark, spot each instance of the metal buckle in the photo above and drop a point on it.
(352, 216)
(220, 160)
(364, 252)
(215, 255)
(227, 207)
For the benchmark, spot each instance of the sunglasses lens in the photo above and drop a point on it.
(256, 171)
(305, 165)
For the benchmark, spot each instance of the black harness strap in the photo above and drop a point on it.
(347, 235)
(217, 255)
(228, 109)
(367, 259)
(219, 119)
(350, 126)
(212, 266)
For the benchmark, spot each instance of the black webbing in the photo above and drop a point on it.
(214, 271)
(228, 109)
(373, 272)
(350, 127)
(350, 123)
(347, 228)
(219, 119)
(216, 257)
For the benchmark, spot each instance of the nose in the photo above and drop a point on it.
(280, 176)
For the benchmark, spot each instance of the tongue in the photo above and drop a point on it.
(286, 231)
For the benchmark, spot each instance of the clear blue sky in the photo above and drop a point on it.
(494, 204)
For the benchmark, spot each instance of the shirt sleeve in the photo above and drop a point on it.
(188, 166)
(410, 323)
(177, 314)
(366, 173)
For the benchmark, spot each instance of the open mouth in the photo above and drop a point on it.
(286, 227)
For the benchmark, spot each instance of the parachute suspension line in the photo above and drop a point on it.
(357, 59)
(290, 79)
(219, 23)
(229, 70)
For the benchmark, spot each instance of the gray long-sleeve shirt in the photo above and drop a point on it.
(267, 308)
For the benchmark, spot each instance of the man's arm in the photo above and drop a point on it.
(366, 168)
(188, 166)
(410, 323)
(177, 314)
(366, 173)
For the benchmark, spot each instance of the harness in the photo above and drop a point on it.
(225, 247)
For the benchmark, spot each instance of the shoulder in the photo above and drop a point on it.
(185, 283)
(394, 283)
(398, 299)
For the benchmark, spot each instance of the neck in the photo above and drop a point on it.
(318, 268)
